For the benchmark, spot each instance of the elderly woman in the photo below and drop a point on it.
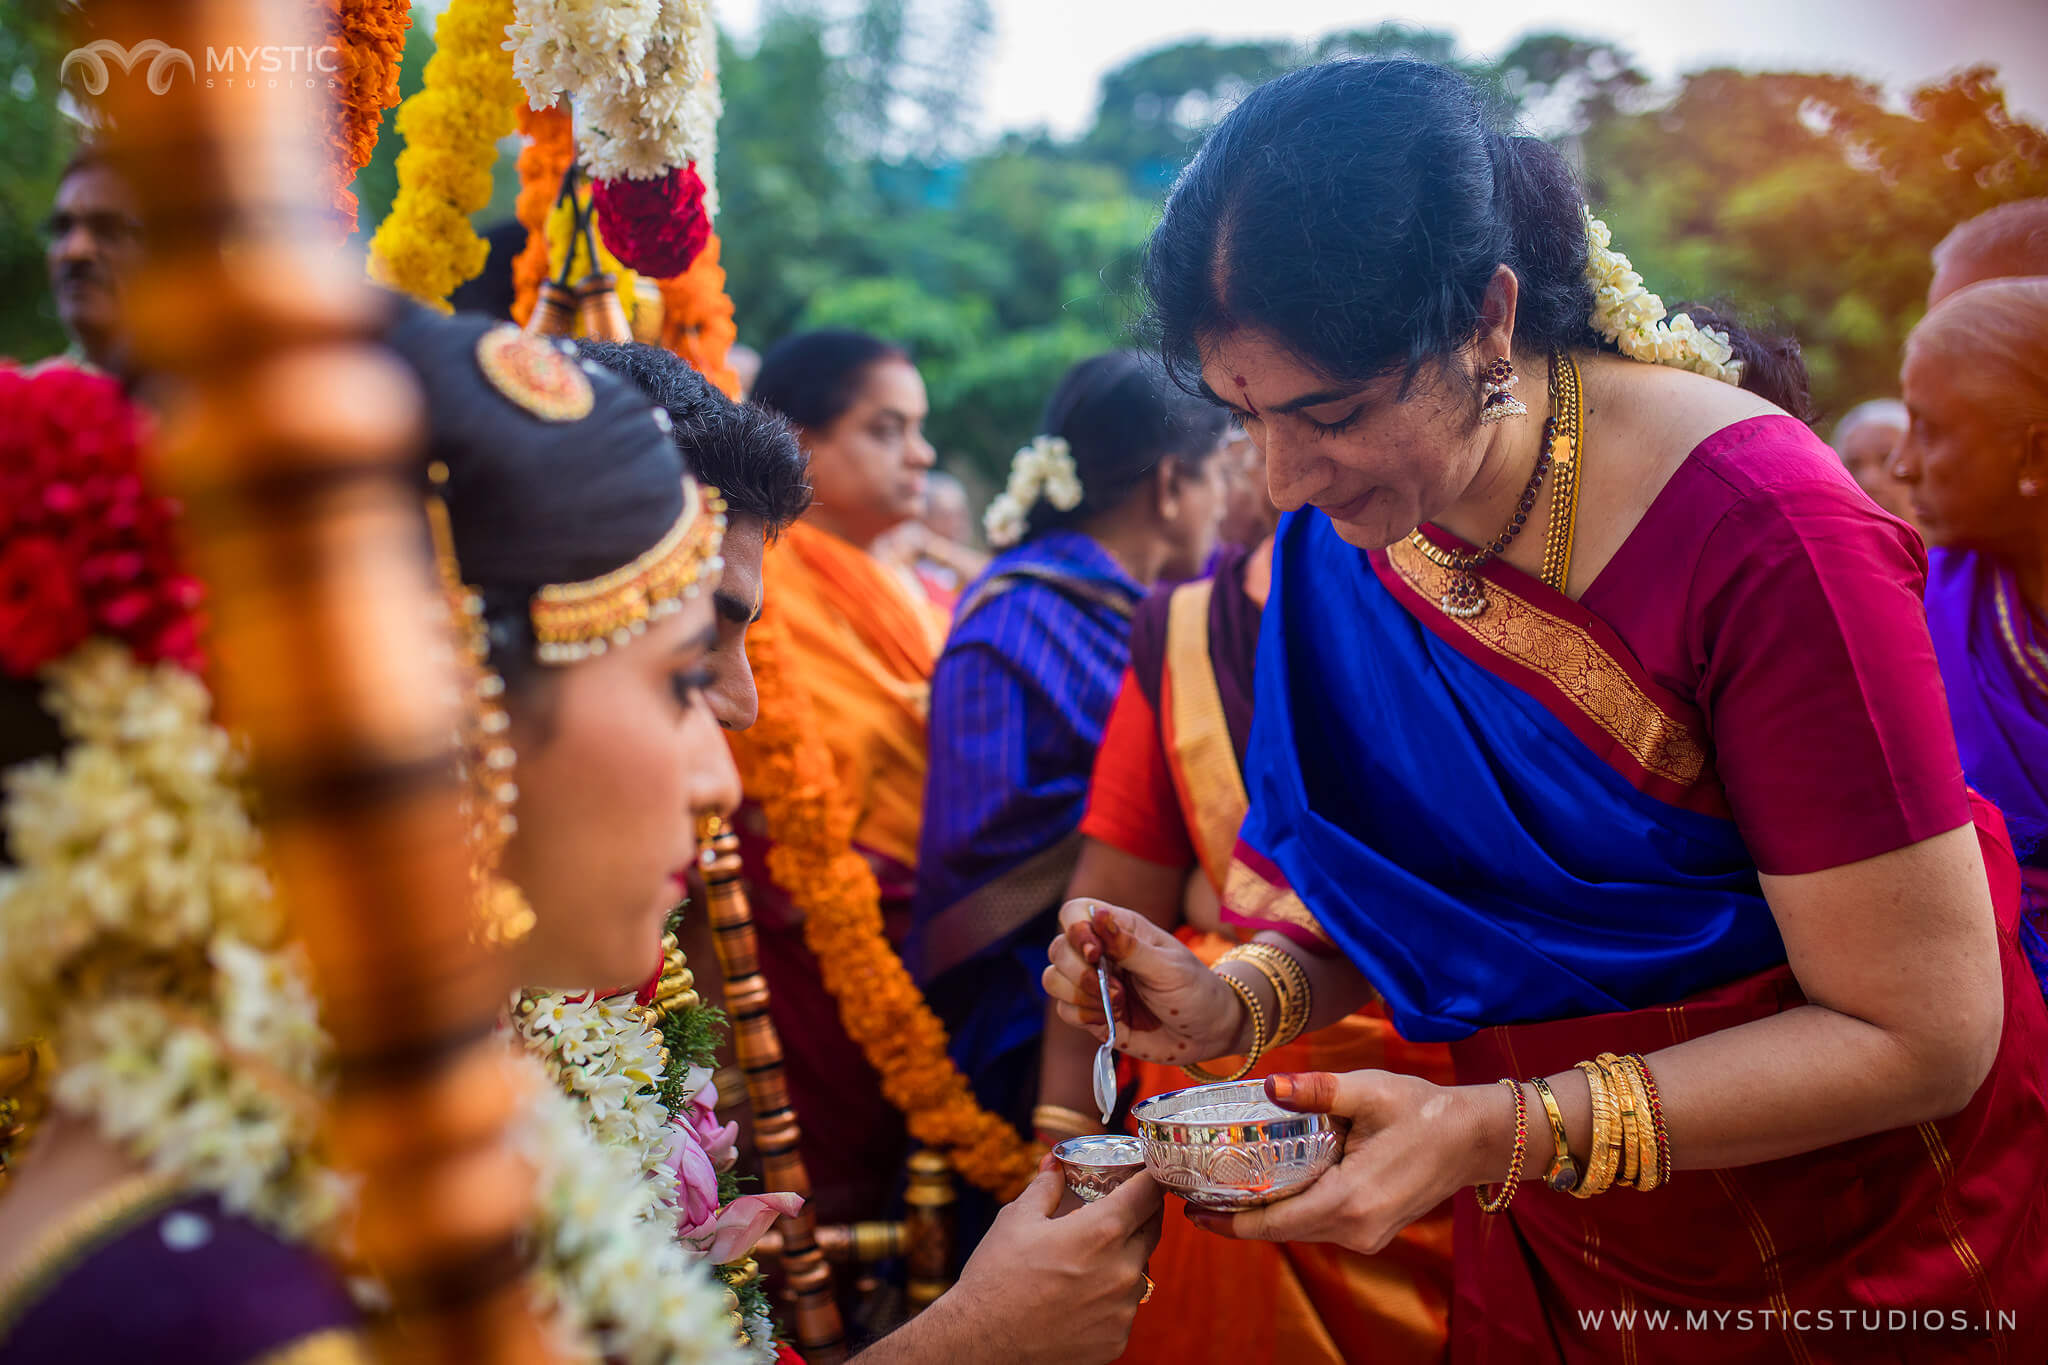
(1975, 461)
(1598, 733)
(1865, 439)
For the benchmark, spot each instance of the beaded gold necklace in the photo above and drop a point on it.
(1562, 434)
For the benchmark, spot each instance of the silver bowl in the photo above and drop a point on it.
(1097, 1164)
(1227, 1147)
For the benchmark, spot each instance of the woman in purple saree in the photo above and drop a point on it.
(1976, 459)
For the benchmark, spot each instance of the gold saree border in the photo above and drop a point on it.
(2033, 661)
(1578, 666)
(333, 1346)
(1251, 896)
(70, 1239)
(1205, 765)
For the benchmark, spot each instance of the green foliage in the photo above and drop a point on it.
(852, 196)
(38, 138)
(1809, 202)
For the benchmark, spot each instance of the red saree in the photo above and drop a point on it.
(1541, 832)
(1849, 1275)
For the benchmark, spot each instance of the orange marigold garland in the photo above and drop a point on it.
(697, 319)
(787, 767)
(546, 158)
(369, 39)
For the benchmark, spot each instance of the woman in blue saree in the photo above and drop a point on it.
(1125, 489)
(1975, 459)
(1599, 735)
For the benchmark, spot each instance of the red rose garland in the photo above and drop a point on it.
(655, 227)
(85, 547)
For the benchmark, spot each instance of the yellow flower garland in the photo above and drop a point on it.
(786, 766)
(470, 100)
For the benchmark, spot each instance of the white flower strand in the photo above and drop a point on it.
(611, 1275)
(1626, 313)
(603, 1054)
(1045, 467)
(641, 74)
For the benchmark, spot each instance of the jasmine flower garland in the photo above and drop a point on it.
(1626, 313)
(1045, 468)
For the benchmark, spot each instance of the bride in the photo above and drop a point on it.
(173, 1192)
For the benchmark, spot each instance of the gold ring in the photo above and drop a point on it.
(1146, 1297)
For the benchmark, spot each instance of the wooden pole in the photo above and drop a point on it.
(819, 1332)
(294, 442)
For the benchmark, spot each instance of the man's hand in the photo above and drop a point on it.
(1043, 1286)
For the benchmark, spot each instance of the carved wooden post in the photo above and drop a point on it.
(928, 1228)
(819, 1331)
(292, 439)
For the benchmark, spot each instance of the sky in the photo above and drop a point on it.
(1047, 55)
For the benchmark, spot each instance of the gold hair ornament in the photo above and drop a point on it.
(573, 621)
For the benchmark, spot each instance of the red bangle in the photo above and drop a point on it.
(1656, 1119)
(1505, 1195)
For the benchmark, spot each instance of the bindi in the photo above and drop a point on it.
(1245, 394)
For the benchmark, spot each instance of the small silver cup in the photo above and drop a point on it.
(1096, 1164)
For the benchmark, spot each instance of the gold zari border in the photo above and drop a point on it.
(2032, 661)
(1573, 662)
(1250, 895)
(1201, 732)
(334, 1346)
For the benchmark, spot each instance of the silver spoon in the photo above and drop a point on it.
(1105, 1056)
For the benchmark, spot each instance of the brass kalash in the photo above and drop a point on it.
(592, 307)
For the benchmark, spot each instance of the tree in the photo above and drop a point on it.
(1812, 202)
(39, 139)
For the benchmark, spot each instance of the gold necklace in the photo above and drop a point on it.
(1465, 598)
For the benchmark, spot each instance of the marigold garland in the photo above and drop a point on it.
(451, 128)
(369, 39)
(549, 152)
(785, 765)
(697, 319)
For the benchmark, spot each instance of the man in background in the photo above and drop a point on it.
(94, 244)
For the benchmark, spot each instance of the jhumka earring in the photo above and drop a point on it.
(500, 914)
(1500, 404)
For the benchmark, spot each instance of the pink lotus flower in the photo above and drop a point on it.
(699, 1147)
(696, 1177)
(720, 1144)
(739, 1225)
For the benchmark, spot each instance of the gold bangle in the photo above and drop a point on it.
(1663, 1134)
(1257, 1011)
(1650, 1158)
(1632, 1122)
(1290, 986)
(1563, 1174)
(1062, 1121)
(1604, 1152)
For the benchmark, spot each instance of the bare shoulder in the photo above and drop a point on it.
(1658, 415)
(1640, 423)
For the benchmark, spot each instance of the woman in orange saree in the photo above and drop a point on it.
(865, 641)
